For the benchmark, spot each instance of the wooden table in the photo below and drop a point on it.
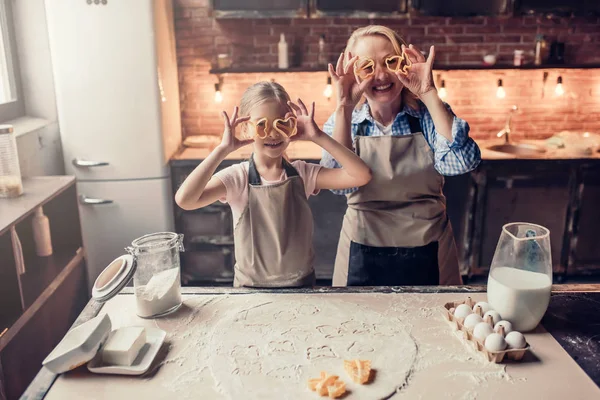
(573, 320)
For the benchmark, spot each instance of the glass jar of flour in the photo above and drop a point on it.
(157, 281)
(153, 263)
(10, 174)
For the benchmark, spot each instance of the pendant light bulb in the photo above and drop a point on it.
(218, 95)
(559, 90)
(443, 93)
(500, 92)
(328, 89)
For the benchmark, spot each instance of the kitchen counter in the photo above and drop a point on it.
(572, 320)
(310, 151)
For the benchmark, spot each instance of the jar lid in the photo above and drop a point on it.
(114, 278)
(79, 345)
(5, 128)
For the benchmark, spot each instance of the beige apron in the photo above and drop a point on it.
(273, 238)
(400, 215)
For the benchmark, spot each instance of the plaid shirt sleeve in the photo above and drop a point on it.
(328, 161)
(455, 157)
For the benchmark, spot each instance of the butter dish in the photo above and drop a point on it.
(154, 340)
(84, 343)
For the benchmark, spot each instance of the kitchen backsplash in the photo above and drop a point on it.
(458, 41)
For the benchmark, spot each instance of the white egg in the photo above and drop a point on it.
(495, 342)
(462, 311)
(505, 324)
(472, 320)
(515, 340)
(494, 315)
(485, 307)
(482, 330)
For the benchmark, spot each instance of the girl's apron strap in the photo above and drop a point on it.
(254, 176)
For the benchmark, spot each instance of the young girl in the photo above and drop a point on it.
(396, 231)
(268, 196)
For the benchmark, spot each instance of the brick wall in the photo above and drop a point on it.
(458, 41)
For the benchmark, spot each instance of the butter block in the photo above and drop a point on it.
(124, 345)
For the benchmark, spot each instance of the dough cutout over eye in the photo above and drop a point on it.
(365, 67)
(261, 128)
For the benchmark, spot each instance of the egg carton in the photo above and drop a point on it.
(492, 356)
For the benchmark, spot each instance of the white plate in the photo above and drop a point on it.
(154, 340)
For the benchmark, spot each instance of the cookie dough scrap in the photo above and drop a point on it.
(327, 385)
(359, 370)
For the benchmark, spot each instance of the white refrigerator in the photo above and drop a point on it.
(115, 72)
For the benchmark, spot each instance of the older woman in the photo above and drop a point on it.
(396, 231)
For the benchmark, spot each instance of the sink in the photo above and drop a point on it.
(519, 149)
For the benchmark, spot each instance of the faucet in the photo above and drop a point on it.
(506, 130)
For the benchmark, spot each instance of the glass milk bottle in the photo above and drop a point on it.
(157, 281)
(11, 184)
(520, 279)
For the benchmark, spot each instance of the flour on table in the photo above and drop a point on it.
(299, 339)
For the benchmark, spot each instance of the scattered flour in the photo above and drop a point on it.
(267, 346)
(298, 340)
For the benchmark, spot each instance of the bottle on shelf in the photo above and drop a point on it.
(41, 233)
(283, 53)
(540, 50)
(322, 57)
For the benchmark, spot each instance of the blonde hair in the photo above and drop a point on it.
(396, 40)
(262, 92)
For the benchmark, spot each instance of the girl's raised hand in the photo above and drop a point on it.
(229, 141)
(305, 121)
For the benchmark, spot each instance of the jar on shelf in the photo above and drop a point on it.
(11, 184)
(519, 58)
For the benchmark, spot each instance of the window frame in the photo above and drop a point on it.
(15, 108)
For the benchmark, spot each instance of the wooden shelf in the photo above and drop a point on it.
(259, 70)
(37, 191)
(40, 272)
(512, 67)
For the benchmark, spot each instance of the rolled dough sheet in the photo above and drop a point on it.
(267, 346)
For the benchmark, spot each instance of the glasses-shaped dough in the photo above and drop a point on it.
(261, 128)
(365, 67)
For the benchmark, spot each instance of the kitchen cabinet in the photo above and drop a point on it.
(558, 7)
(537, 195)
(462, 8)
(358, 8)
(259, 8)
(40, 303)
(585, 255)
(207, 235)
(560, 194)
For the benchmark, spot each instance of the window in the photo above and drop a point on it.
(11, 102)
